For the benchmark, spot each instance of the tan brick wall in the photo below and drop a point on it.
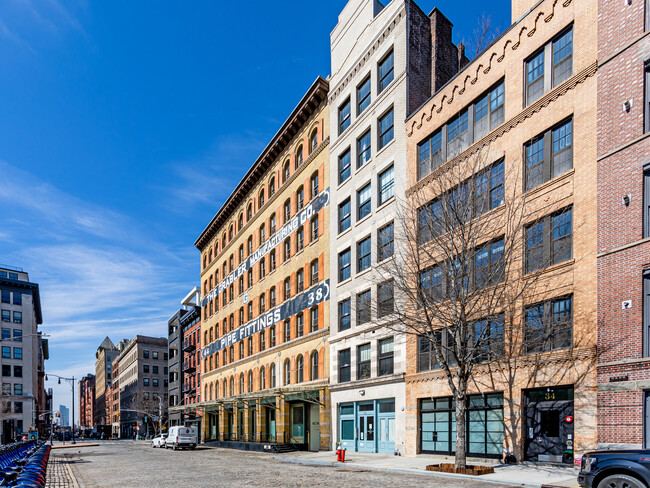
(575, 97)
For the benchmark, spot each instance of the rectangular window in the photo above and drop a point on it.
(155, 382)
(18, 407)
(154, 355)
(364, 204)
(363, 95)
(646, 201)
(345, 215)
(6, 388)
(549, 325)
(287, 249)
(6, 333)
(344, 166)
(385, 298)
(18, 352)
(145, 381)
(344, 314)
(386, 126)
(458, 134)
(363, 307)
(386, 357)
(18, 317)
(559, 54)
(344, 265)
(6, 316)
(431, 285)
(489, 111)
(344, 366)
(364, 249)
(300, 281)
(145, 354)
(313, 319)
(385, 242)
(488, 264)
(386, 186)
(430, 154)
(363, 362)
(549, 241)
(6, 370)
(18, 299)
(386, 71)
(313, 271)
(549, 155)
(18, 371)
(489, 339)
(344, 116)
(364, 151)
(145, 368)
(489, 188)
(18, 389)
(6, 297)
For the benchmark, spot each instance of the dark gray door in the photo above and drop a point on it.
(549, 431)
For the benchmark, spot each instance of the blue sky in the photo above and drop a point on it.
(125, 124)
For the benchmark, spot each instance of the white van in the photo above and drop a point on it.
(181, 437)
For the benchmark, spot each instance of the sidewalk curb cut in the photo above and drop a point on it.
(314, 462)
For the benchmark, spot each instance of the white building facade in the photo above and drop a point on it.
(383, 64)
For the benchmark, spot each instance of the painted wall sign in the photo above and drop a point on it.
(308, 299)
(311, 209)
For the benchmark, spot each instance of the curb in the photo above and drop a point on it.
(314, 462)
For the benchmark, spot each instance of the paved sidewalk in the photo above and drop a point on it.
(530, 475)
(59, 474)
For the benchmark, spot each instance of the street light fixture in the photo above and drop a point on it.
(71, 381)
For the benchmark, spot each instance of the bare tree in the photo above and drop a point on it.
(470, 251)
(153, 408)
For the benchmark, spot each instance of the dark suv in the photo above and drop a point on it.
(615, 469)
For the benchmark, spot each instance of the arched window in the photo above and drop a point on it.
(223, 241)
(286, 172)
(249, 212)
(299, 157)
(210, 256)
(262, 234)
(232, 386)
(313, 141)
(216, 390)
(313, 319)
(300, 325)
(314, 365)
(300, 370)
(260, 200)
(206, 391)
(205, 261)
(241, 383)
(231, 232)
(313, 273)
(263, 378)
(211, 391)
(249, 245)
(250, 382)
(211, 285)
(287, 372)
(240, 221)
(272, 376)
(224, 387)
(287, 211)
(210, 336)
(272, 187)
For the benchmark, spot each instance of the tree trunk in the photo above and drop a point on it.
(461, 434)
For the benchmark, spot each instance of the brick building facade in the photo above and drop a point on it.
(190, 324)
(264, 281)
(536, 85)
(623, 225)
(87, 402)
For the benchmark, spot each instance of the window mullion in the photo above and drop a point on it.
(548, 163)
(548, 67)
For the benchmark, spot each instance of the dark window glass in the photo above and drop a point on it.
(344, 265)
(344, 366)
(386, 186)
(363, 95)
(386, 357)
(345, 216)
(430, 154)
(344, 166)
(535, 77)
(363, 307)
(385, 242)
(364, 151)
(344, 314)
(364, 249)
(386, 126)
(549, 241)
(364, 204)
(488, 339)
(549, 155)
(344, 116)
(431, 285)
(6, 297)
(363, 362)
(386, 71)
(488, 264)
(549, 325)
(385, 298)
(562, 57)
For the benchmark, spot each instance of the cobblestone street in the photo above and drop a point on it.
(133, 465)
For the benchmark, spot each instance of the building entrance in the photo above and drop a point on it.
(549, 425)
(270, 423)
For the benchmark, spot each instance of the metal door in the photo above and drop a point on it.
(549, 431)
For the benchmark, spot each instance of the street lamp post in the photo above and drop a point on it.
(71, 381)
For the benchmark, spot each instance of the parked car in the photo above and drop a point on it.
(159, 440)
(181, 437)
(615, 469)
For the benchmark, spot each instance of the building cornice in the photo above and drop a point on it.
(310, 103)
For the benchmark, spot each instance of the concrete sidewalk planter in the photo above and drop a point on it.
(469, 469)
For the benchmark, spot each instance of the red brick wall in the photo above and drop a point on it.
(620, 172)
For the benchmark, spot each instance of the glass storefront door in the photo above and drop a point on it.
(386, 431)
(270, 424)
(366, 440)
(298, 423)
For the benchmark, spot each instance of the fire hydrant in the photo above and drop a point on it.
(343, 455)
(338, 454)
